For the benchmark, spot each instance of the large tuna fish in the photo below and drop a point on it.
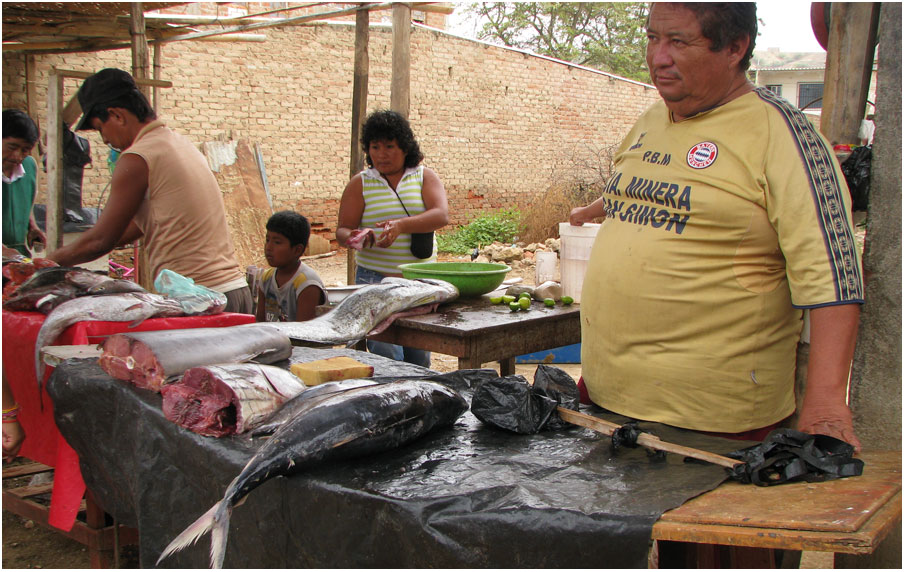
(131, 307)
(350, 423)
(369, 310)
(226, 399)
(148, 359)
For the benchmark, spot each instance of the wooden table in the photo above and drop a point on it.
(796, 516)
(477, 332)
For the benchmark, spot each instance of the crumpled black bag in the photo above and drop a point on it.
(512, 403)
(856, 170)
(787, 455)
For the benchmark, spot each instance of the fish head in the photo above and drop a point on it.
(446, 291)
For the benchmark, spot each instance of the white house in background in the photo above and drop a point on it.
(798, 77)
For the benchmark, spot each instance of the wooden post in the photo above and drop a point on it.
(54, 133)
(140, 70)
(156, 74)
(849, 62)
(402, 31)
(359, 110)
(31, 99)
(140, 64)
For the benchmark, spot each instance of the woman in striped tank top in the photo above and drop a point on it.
(384, 204)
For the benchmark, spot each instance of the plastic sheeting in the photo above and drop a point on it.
(466, 496)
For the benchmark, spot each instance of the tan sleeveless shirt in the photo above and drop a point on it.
(182, 217)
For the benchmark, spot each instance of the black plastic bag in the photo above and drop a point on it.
(512, 403)
(856, 170)
(787, 455)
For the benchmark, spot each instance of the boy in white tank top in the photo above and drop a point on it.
(290, 289)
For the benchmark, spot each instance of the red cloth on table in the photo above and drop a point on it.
(43, 442)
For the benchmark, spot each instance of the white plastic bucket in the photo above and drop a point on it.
(545, 267)
(575, 251)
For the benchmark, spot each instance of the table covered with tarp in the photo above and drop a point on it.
(465, 496)
(43, 442)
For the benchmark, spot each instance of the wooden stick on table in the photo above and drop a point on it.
(645, 439)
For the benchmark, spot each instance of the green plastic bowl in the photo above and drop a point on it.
(471, 278)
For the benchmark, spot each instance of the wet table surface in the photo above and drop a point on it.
(477, 331)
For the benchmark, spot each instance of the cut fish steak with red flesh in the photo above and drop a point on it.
(228, 399)
(148, 359)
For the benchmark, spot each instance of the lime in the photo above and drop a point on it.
(524, 295)
(515, 306)
(507, 299)
(566, 300)
(525, 302)
(496, 300)
(549, 302)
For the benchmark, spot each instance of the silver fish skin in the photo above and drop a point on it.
(351, 423)
(363, 310)
(130, 307)
(148, 359)
(226, 399)
(304, 401)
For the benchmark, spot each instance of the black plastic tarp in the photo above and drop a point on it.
(466, 496)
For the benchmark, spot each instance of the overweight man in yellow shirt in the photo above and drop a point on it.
(726, 216)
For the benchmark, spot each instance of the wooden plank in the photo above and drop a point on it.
(838, 505)
(845, 519)
(849, 62)
(26, 469)
(244, 197)
(400, 84)
(30, 490)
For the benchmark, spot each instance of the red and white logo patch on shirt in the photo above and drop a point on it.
(702, 155)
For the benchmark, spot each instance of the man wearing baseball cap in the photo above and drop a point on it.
(162, 190)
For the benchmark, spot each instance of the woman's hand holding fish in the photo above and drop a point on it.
(360, 238)
(391, 231)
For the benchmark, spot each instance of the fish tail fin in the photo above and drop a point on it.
(219, 532)
(191, 534)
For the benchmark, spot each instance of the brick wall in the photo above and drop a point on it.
(497, 125)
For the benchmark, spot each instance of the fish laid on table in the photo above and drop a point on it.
(148, 359)
(369, 310)
(226, 399)
(351, 423)
(49, 287)
(130, 307)
(304, 401)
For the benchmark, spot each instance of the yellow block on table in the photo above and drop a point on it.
(330, 369)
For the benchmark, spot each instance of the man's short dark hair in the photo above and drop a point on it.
(386, 125)
(292, 225)
(135, 102)
(725, 22)
(19, 125)
(111, 87)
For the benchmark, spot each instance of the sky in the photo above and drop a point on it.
(787, 26)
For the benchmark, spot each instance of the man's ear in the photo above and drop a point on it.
(299, 249)
(117, 113)
(737, 49)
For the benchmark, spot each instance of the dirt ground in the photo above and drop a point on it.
(28, 545)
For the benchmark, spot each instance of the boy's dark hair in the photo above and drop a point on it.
(386, 125)
(724, 22)
(19, 125)
(292, 225)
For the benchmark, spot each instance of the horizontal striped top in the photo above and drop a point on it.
(382, 204)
